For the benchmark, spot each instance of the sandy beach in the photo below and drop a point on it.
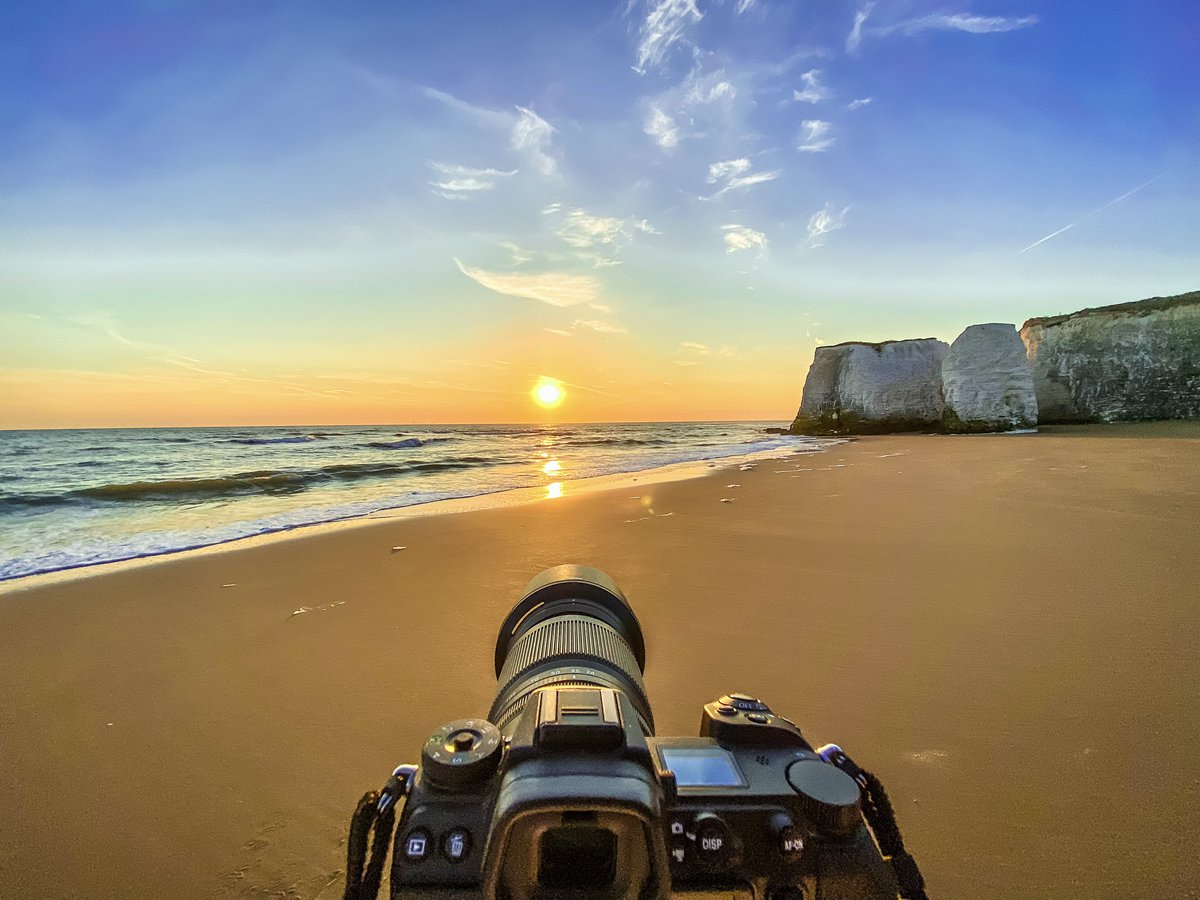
(1005, 628)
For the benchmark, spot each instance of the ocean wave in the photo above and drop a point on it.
(619, 442)
(267, 481)
(302, 439)
(396, 445)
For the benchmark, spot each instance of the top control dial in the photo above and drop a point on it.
(462, 753)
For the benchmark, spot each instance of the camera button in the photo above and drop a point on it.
(456, 844)
(791, 842)
(758, 718)
(416, 845)
(726, 711)
(713, 841)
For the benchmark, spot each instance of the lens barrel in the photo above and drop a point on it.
(573, 627)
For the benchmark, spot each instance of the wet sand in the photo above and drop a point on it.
(1006, 629)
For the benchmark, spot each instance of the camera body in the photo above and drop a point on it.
(580, 802)
(563, 790)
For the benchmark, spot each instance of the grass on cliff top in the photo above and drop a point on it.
(1132, 308)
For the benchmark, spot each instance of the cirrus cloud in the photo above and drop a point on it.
(552, 288)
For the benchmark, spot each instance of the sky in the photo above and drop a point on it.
(374, 212)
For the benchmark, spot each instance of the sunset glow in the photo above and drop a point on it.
(548, 393)
(241, 214)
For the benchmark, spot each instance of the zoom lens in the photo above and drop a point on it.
(572, 627)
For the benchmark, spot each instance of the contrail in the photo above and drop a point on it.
(1093, 212)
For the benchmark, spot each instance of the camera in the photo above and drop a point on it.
(564, 790)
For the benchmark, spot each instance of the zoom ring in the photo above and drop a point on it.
(569, 641)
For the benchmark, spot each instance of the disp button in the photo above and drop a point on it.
(714, 842)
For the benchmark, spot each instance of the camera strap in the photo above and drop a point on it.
(376, 812)
(882, 819)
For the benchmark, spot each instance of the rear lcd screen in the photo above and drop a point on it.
(702, 767)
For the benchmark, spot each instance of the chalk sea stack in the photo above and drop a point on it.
(987, 383)
(860, 388)
(1129, 361)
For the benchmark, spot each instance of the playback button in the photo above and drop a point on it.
(417, 845)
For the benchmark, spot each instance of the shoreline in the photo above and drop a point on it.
(499, 499)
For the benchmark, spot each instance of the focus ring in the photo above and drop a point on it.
(568, 638)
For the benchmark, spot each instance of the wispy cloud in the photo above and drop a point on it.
(727, 169)
(815, 137)
(552, 288)
(822, 222)
(963, 22)
(740, 237)
(600, 327)
(480, 115)
(813, 91)
(702, 101)
(519, 254)
(560, 332)
(528, 132)
(854, 38)
(662, 128)
(736, 174)
(459, 181)
(957, 22)
(666, 25)
(1088, 215)
(531, 134)
(859, 104)
(581, 229)
(693, 347)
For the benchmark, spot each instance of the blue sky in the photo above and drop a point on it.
(396, 212)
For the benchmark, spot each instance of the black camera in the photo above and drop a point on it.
(564, 791)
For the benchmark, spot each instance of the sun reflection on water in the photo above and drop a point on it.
(554, 491)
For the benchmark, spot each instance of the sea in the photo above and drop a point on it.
(71, 498)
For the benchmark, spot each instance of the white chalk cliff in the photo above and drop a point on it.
(987, 382)
(858, 388)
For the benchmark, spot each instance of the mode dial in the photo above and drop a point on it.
(462, 753)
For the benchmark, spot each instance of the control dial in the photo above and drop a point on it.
(462, 753)
(828, 796)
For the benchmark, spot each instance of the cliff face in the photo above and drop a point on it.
(1137, 360)
(987, 382)
(873, 388)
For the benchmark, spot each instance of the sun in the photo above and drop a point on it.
(548, 393)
